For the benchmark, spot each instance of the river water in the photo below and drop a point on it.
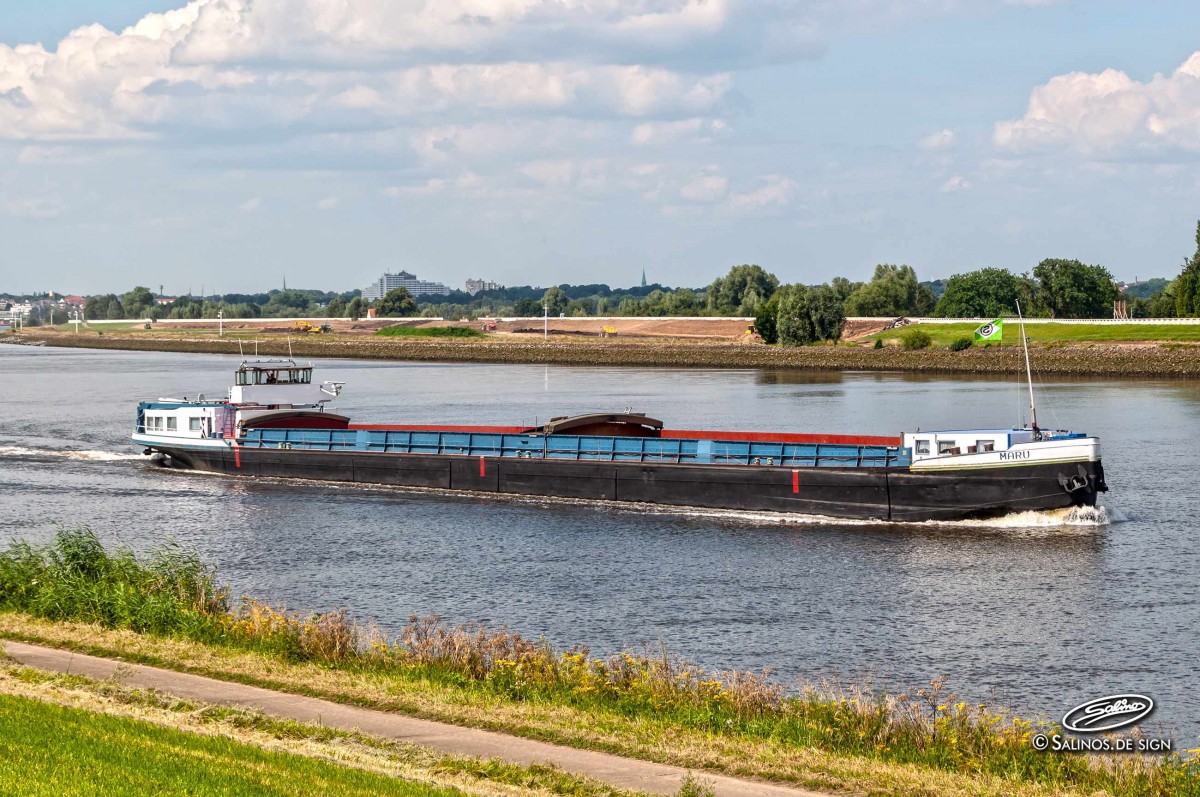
(1037, 612)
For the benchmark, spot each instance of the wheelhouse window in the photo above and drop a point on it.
(193, 424)
(947, 447)
(985, 445)
(172, 423)
(274, 376)
(922, 446)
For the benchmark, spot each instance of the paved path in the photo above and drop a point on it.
(626, 773)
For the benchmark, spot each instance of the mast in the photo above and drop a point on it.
(1028, 370)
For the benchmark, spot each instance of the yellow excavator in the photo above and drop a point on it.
(310, 328)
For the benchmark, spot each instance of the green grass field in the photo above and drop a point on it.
(65, 752)
(945, 334)
(429, 332)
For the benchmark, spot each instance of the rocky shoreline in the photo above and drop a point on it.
(1098, 359)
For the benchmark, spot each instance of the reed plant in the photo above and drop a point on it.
(172, 592)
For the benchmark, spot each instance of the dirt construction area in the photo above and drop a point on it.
(711, 328)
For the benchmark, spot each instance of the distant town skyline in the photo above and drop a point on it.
(148, 142)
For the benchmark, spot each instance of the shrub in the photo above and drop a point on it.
(914, 338)
(961, 344)
(75, 578)
(878, 343)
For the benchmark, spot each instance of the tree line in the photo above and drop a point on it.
(787, 313)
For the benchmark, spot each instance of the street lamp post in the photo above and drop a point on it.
(545, 320)
(220, 324)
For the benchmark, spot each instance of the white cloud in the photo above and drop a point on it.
(776, 190)
(31, 207)
(1110, 115)
(427, 188)
(251, 205)
(228, 64)
(705, 188)
(658, 133)
(942, 139)
(955, 184)
(328, 203)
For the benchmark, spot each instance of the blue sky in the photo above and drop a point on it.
(229, 144)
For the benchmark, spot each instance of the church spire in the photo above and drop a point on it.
(643, 277)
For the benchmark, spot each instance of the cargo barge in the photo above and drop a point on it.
(275, 422)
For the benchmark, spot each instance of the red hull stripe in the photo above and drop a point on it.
(237, 455)
(795, 481)
(482, 468)
(678, 434)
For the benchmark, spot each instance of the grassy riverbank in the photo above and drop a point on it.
(1041, 334)
(169, 609)
(104, 737)
(58, 751)
(1144, 359)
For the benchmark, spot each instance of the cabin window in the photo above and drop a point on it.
(193, 424)
(172, 423)
(947, 447)
(984, 445)
(922, 446)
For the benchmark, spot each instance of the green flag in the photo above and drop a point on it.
(991, 331)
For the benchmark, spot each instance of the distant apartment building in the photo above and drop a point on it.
(475, 286)
(390, 282)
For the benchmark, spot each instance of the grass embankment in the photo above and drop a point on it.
(1145, 360)
(147, 720)
(429, 332)
(645, 705)
(58, 751)
(1040, 334)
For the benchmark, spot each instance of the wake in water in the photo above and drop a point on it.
(67, 453)
(1071, 517)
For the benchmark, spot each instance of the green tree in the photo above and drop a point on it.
(987, 292)
(138, 302)
(892, 291)
(396, 303)
(555, 300)
(843, 287)
(741, 291)
(1187, 285)
(1071, 289)
(103, 307)
(283, 304)
(684, 302)
(336, 308)
(766, 320)
(356, 309)
(807, 315)
(1164, 303)
(527, 308)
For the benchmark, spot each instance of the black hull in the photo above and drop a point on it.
(861, 493)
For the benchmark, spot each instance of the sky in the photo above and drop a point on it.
(228, 145)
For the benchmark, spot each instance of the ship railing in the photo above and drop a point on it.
(581, 448)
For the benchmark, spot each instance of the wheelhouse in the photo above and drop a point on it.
(290, 374)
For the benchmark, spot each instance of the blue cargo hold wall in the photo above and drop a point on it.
(578, 447)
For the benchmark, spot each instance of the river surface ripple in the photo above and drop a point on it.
(1037, 612)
